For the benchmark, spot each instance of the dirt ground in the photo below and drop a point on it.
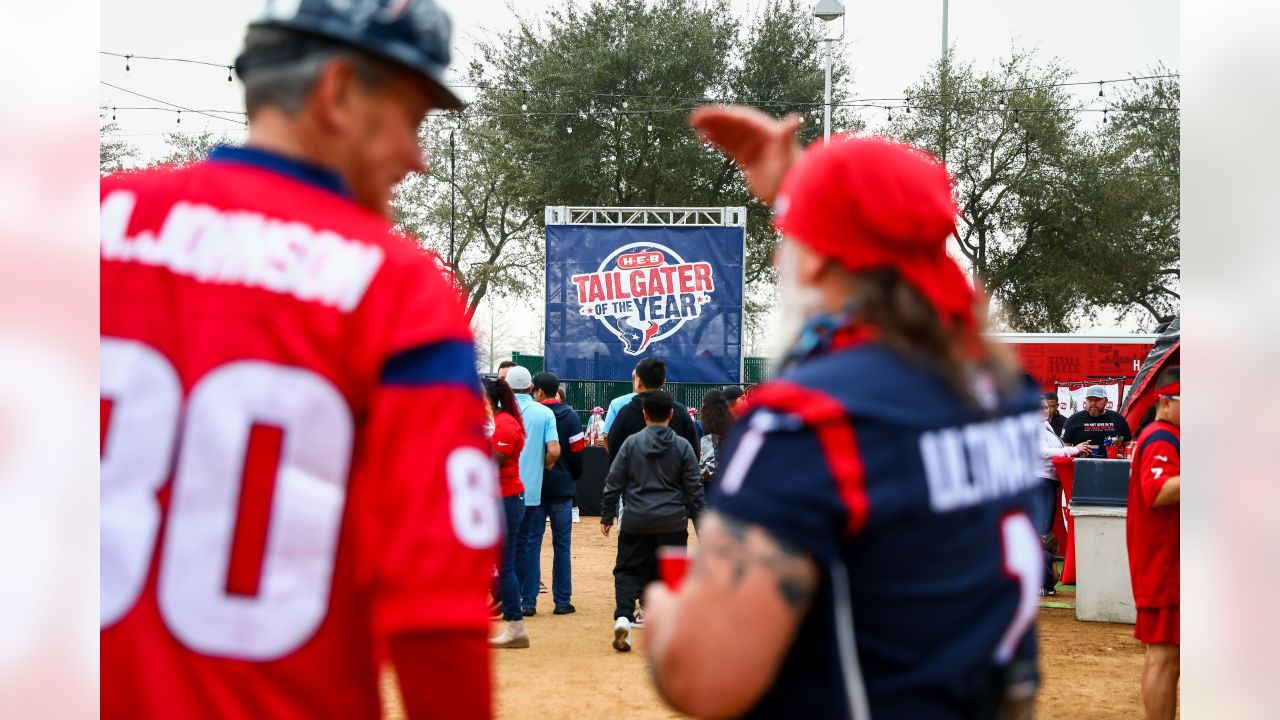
(1090, 670)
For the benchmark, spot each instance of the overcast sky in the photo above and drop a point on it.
(888, 45)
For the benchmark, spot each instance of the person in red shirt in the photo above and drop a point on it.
(1155, 485)
(508, 441)
(295, 487)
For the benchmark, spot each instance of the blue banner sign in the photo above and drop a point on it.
(617, 294)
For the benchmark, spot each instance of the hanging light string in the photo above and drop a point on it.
(128, 58)
(180, 109)
(624, 97)
(649, 113)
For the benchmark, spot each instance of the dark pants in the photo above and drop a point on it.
(637, 566)
(508, 583)
(1047, 500)
(1048, 505)
(529, 551)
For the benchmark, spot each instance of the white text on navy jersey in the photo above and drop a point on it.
(981, 462)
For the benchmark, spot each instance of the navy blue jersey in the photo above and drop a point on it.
(916, 507)
(560, 480)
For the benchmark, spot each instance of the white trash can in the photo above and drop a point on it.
(1103, 589)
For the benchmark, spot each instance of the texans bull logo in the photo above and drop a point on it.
(643, 293)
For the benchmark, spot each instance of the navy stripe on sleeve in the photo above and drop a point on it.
(448, 362)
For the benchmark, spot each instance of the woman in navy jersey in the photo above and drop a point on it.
(870, 549)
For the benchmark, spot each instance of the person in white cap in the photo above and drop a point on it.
(540, 453)
(1095, 423)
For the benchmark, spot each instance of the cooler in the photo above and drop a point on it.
(1101, 554)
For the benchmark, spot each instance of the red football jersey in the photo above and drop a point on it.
(508, 438)
(294, 466)
(1152, 533)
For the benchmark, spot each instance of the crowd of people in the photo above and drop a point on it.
(661, 460)
(300, 482)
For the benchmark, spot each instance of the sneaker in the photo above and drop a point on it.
(528, 612)
(514, 635)
(564, 609)
(542, 587)
(576, 517)
(622, 635)
(639, 621)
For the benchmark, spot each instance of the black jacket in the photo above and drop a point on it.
(560, 481)
(630, 420)
(656, 473)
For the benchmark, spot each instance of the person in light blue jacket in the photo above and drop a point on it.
(541, 451)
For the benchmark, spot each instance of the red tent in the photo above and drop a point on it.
(1143, 393)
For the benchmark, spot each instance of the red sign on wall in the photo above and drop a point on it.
(1051, 363)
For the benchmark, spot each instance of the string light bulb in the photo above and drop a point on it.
(113, 114)
(1104, 116)
(1099, 89)
(624, 105)
(126, 62)
(524, 102)
(179, 117)
(1016, 122)
(569, 129)
(228, 73)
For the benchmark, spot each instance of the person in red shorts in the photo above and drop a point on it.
(1152, 531)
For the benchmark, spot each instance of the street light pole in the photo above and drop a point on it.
(944, 29)
(826, 11)
(826, 109)
(942, 84)
(453, 188)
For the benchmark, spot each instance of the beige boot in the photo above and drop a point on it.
(514, 635)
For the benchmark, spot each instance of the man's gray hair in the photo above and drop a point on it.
(285, 65)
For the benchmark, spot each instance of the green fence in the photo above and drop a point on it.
(533, 363)
(583, 395)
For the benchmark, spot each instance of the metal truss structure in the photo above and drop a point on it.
(640, 216)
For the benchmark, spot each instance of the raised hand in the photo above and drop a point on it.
(765, 147)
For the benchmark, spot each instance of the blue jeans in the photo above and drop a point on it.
(1047, 497)
(530, 553)
(508, 583)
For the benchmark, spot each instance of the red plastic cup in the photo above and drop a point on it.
(1113, 451)
(673, 563)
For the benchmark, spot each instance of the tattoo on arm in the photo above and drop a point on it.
(742, 545)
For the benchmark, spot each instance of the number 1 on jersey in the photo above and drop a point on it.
(1023, 561)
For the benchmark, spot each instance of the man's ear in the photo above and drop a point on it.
(334, 94)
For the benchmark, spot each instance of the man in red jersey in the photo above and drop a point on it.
(1155, 491)
(295, 483)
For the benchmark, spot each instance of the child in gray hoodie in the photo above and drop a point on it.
(656, 473)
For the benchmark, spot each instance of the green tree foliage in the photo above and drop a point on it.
(114, 152)
(1139, 162)
(188, 148)
(589, 106)
(495, 245)
(1059, 221)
